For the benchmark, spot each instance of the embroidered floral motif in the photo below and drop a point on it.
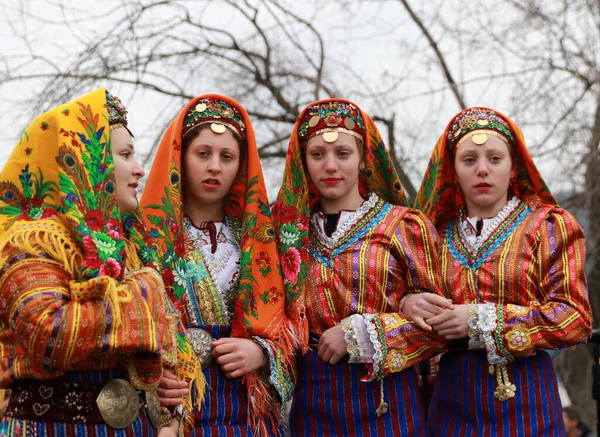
(391, 321)
(518, 339)
(396, 360)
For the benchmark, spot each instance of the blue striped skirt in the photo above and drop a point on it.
(224, 411)
(11, 427)
(463, 402)
(330, 400)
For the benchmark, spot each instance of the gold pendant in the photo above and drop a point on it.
(330, 137)
(217, 128)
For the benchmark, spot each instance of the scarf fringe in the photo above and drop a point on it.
(265, 415)
(300, 325)
(263, 418)
(37, 238)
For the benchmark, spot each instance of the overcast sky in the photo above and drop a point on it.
(372, 36)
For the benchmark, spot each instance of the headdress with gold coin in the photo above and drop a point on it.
(216, 113)
(329, 119)
(439, 196)
(478, 124)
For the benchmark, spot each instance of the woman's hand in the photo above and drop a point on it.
(170, 390)
(421, 306)
(451, 324)
(170, 431)
(332, 346)
(237, 356)
(167, 432)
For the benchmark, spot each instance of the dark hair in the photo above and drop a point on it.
(573, 414)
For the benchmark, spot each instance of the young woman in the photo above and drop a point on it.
(350, 251)
(85, 325)
(512, 263)
(207, 207)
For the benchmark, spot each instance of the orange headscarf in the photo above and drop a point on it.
(259, 307)
(298, 194)
(439, 197)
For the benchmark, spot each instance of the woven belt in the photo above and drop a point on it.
(116, 403)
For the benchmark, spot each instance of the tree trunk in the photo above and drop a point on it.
(574, 366)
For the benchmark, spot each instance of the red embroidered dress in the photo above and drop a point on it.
(524, 280)
(356, 277)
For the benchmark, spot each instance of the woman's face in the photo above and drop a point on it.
(211, 162)
(334, 167)
(484, 173)
(127, 170)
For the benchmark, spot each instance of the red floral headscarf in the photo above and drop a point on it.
(439, 197)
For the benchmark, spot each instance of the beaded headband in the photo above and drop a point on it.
(329, 119)
(218, 114)
(477, 124)
(117, 114)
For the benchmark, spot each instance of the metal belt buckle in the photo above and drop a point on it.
(153, 407)
(118, 403)
(200, 341)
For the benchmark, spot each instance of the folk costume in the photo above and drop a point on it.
(522, 274)
(224, 277)
(85, 326)
(356, 277)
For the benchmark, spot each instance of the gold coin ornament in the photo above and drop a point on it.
(479, 139)
(330, 137)
(349, 123)
(201, 107)
(483, 122)
(217, 128)
(314, 120)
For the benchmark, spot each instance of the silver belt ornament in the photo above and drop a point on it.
(119, 404)
(200, 341)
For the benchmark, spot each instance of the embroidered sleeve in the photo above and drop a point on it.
(62, 324)
(559, 315)
(277, 373)
(397, 341)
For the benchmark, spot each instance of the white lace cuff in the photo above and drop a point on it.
(380, 354)
(360, 348)
(483, 323)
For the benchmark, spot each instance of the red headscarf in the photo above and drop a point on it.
(439, 197)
